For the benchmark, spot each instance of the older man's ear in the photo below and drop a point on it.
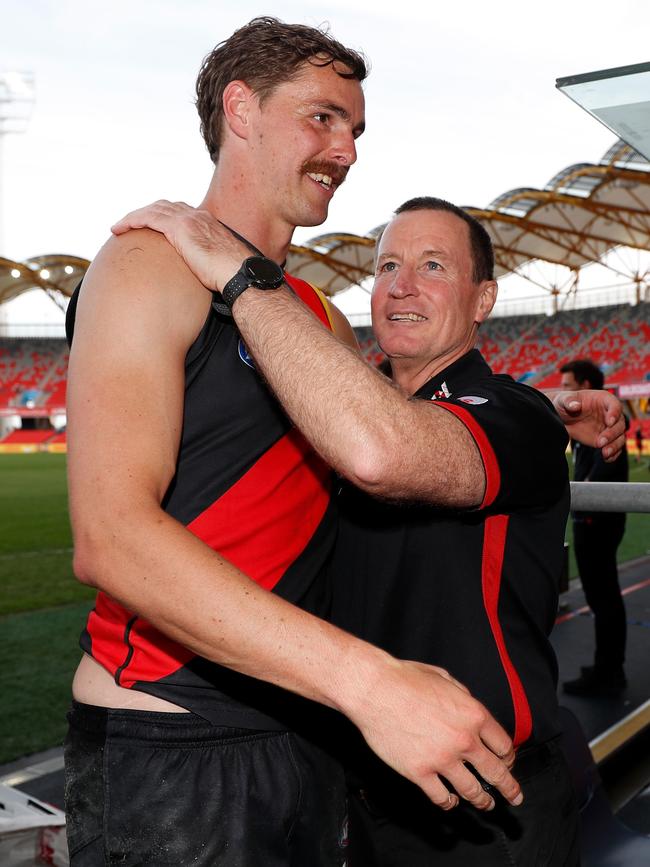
(486, 300)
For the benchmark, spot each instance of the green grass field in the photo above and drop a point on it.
(42, 607)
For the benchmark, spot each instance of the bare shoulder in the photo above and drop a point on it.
(141, 271)
(140, 248)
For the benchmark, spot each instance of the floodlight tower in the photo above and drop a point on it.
(16, 101)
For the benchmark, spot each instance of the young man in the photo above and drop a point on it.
(465, 570)
(192, 496)
(596, 537)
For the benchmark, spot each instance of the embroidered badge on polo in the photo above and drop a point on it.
(244, 354)
(443, 391)
(473, 399)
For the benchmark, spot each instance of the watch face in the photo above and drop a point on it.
(264, 272)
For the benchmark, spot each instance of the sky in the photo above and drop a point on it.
(461, 103)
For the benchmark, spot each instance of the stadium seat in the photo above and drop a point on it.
(28, 437)
(533, 348)
(33, 372)
(530, 348)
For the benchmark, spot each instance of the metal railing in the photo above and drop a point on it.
(610, 496)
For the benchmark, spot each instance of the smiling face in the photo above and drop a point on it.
(426, 305)
(302, 143)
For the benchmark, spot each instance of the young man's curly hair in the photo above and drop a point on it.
(265, 53)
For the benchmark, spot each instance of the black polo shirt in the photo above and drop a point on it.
(474, 592)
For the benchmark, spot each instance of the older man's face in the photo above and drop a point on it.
(425, 302)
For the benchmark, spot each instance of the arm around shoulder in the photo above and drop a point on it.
(137, 315)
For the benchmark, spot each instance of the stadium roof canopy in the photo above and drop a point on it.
(582, 214)
(56, 274)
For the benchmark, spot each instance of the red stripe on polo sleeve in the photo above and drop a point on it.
(490, 463)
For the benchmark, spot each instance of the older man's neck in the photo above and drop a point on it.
(412, 373)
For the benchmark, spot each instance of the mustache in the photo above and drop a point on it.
(337, 172)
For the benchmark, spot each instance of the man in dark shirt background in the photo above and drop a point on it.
(639, 444)
(596, 537)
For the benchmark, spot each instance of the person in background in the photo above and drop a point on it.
(639, 443)
(596, 537)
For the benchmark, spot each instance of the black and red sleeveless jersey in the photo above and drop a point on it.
(249, 485)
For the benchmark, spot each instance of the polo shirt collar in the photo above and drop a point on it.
(461, 373)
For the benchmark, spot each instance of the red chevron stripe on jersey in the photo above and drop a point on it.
(298, 482)
(130, 647)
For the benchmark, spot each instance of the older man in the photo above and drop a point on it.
(454, 557)
(470, 583)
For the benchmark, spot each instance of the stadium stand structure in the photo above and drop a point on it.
(33, 376)
(33, 373)
(530, 348)
(18, 437)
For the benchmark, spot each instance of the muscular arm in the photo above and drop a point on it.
(138, 313)
(365, 428)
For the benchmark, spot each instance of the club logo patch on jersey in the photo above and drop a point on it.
(473, 399)
(244, 354)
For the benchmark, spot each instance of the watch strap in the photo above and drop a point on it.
(234, 288)
(219, 307)
(220, 303)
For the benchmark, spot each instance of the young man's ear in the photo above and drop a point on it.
(237, 100)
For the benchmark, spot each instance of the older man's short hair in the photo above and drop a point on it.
(480, 242)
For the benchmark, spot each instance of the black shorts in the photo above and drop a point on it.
(170, 789)
(393, 824)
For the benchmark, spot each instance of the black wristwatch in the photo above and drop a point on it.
(257, 271)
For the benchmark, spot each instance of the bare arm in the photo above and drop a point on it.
(139, 311)
(362, 425)
(592, 417)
